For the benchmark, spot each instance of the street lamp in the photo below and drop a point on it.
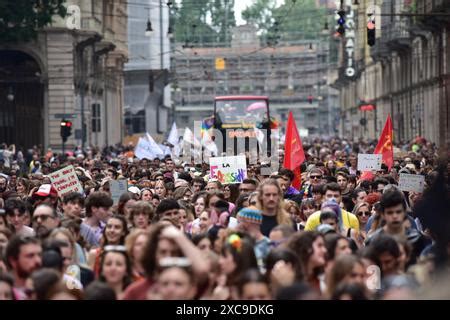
(149, 30)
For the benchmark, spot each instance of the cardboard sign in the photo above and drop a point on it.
(228, 169)
(369, 162)
(411, 182)
(117, 188)
(66, 181)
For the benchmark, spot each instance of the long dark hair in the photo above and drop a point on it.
(127, 280)
(124, 226)
(302, 245)
(243, 255)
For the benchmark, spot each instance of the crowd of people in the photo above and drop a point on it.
(178, 234)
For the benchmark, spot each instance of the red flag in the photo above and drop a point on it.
(293, 151)
(385, 144)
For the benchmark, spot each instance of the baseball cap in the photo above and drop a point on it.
(46, 190)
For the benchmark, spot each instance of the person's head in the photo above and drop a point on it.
(253, 286)
(385, 252)
(307, 208)
(379, 184)
(213, 186)
(141, 214)
(115, 230)
(358, 195)
(346, 269)
(282, 181)
(126, 202)
(156, 248)
(45, 283)
(248, 186)
(280, 234)
(98, 205)
(199, 201)
(198, 184)
(349, 291)
(328, 216)
(73, 204)
(6, 287)
(290, 259)
(98, 290)
(249, 220)
(135, 243)
(170, 165)
(332, 191)
(15, 210)
(236, 257)
(362, 211)
(3, 184)
(342, 180)
(5, 235)
(68, 252)
(160, 189)
(315, 176)
(318, 193)
(23, 255)
(168, 209)
(393, 208)
(311, 251)
(203, 242)
(270, 195)
(205, 220)
(176, 283)
(23, 186)
(293, 209)
(231, 192)
(45, 219)
(336, 245)
(146, 195)
(115, 266)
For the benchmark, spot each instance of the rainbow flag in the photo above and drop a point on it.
(207, 124)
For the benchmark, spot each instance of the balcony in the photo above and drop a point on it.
(397, 34)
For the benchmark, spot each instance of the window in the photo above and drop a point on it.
(96, 118)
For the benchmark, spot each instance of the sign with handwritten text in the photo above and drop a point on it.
(369, 162)
(66, 181)
(411, 182)
(228, 169)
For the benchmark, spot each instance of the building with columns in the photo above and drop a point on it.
(73, 68)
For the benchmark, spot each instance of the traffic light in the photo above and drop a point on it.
(341, 22)
(371, 32)
(66, 129)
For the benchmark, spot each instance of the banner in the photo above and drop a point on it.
(117, 188)
(369, 162)
(411, 182)
(148, 149)
(66, 181)
(228, 169)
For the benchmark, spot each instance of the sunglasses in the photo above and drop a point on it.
(316, 177)
(366, 213)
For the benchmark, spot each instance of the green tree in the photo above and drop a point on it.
(294, 20)
(222, 16)
(20, 20)
(189, 20)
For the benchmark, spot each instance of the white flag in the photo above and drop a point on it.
(144, 150)
(259, 135)
(189, 137)
(173, 135)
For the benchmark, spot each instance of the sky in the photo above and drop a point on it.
(241, 5)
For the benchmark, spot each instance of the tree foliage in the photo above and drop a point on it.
(20, 20)
(294, 20)
(203, 22)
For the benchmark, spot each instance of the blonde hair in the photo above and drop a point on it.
(282, 216)
(69, 235)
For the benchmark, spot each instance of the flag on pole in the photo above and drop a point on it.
(173, 139)
(385, 144)
(294, 155)
(147, 148)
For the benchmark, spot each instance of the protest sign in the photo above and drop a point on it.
(411, 182)
(117, 188)
(369, 162)
(66, 181)
(228, 169)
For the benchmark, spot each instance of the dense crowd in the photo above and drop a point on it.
(177, 234)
